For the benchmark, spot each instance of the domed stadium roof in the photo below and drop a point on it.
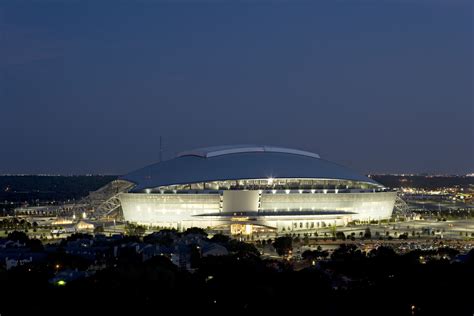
(239, 162)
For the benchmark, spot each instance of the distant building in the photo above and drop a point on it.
(14, 262)
(20, 257)
(61, 221)
(213, 249)
(84, 225)
(47, 210)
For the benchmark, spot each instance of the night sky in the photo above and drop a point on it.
(380, 86)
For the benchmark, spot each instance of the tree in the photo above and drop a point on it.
(308, 255)
(222, 239)
(283, 245)
(18, 236)
(383, 253)
(78, 236)
(403, 236)
(15, 222)
(347, 253)
(35, 245)
(164, 237)
(195, 256)
(242, 249)
(135, 230)
(367, 233)
(323, 254)
(195, 230)
(340, 235)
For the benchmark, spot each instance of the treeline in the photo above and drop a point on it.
(424, 182)
(49, 188)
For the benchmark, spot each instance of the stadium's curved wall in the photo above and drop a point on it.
(262, 187)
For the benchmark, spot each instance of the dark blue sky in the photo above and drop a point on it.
(377, 85)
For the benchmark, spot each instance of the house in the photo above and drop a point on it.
(213, 249)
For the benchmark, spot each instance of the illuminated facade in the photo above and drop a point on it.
(245, 189)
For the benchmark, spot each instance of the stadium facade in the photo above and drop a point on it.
(244, 189)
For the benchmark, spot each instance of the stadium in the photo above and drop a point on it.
(247, 189)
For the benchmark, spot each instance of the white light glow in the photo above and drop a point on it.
(248, 229)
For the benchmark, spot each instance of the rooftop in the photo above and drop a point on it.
(238, 163)
(208, 152)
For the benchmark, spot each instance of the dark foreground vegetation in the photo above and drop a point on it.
(346, 282)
